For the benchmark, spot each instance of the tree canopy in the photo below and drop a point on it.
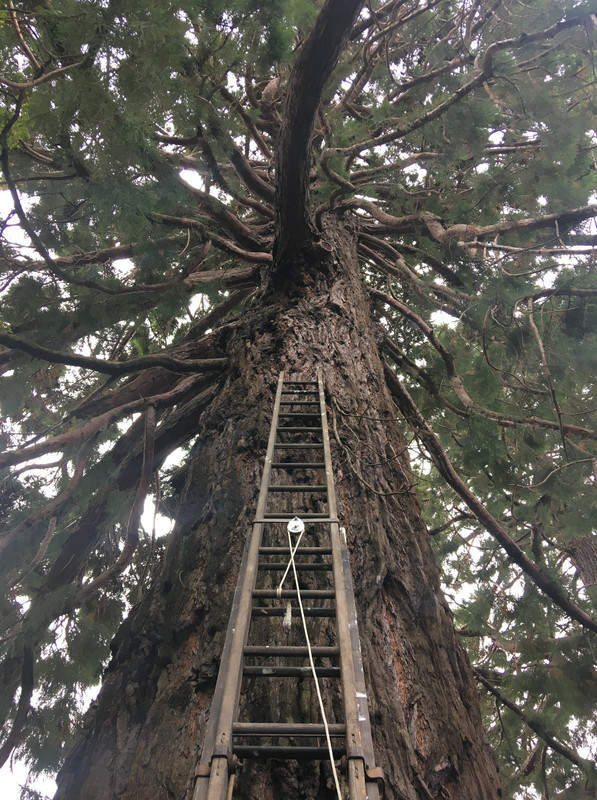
(160, 161)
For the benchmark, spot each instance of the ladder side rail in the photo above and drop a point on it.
(354, 749)
(203, 768)
(218, 750)
(364, 721)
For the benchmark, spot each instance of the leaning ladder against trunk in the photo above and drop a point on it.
(299, 424)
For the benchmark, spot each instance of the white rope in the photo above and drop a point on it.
(292, 554)
(311, 661)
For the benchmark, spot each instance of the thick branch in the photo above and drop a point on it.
(218, 241)
(315, 61)
(461, 232)
(99, 423)
(213, 317)
(112, 367)
(175, 430)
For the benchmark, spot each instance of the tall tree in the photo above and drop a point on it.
(206, 193)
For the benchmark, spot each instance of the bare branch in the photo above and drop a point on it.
(48, 76)
(112, 367)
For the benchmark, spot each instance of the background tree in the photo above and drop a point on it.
(400, 193)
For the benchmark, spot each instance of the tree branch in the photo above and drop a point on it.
(112, 367)
(484, 66)
(536, 726)
(314, 63)
(26, 49)
(458, 386)
(99, 423)
(48, 76)
(218, 241)
(461, 233)
(440, 459)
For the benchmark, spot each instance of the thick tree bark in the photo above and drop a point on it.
(145, 732)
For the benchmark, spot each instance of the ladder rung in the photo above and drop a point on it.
(309, 594)
(277, 565)
(286, 516)
(299, 752)
(298, 445)
(285, 414)
(286, 729)
(276, 519)
(299, 403)
(298, 487)
(279, 611)
(297, 651)
(291, 672)
(297, 428)
(304, 551)
(299, 383)
(288, 465)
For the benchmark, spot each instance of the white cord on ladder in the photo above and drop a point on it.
(311, 662)
(292, 554)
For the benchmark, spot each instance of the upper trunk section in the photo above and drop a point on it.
(316, 59)
(145, 736)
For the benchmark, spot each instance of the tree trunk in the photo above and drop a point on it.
(144, 734)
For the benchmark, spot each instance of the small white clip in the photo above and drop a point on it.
(296, 525)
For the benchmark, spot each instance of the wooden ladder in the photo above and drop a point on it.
(299, 428)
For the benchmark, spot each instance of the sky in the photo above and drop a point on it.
(13, 776)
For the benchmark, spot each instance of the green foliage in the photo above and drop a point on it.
(119, 98)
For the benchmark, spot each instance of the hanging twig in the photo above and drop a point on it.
(23, 706)
(132, 530)
(546, 371)
(146, 568)
(49, 510)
